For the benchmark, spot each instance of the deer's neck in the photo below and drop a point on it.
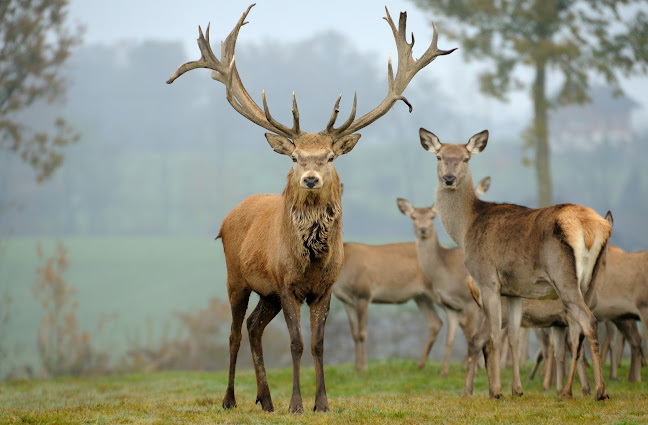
(313, 219)
(428, 251)
(456, 208)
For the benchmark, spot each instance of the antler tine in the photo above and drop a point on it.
(276, 123)
(407, 68)
(329, 127)
(224, 70)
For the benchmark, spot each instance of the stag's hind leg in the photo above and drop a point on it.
(264, 312)
(238, 303)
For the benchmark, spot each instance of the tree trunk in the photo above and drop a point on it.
(541, 136)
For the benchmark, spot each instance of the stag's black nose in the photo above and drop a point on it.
(449, 179)
(423, 230)
(311, 182)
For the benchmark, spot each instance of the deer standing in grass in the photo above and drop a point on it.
(383, 274)
(445, 271)
(392, 274)
(514, 251)
(288, 248)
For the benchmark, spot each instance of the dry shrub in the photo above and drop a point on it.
(63, 348)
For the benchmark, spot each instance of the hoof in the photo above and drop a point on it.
(296, 410)
(496, 396)
(518, 393)
(566, 395)
(229, 404)
(586, 391)
(229, 401)
(601, 397)
(321, 408)
(266, 403)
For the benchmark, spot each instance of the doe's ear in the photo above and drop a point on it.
(483, 186)
(280, 144)
(477, 143)
(429, 141)
(609, 218)
(405, 206)
(345, 144)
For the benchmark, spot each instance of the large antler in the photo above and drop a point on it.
(407, 68)
(225, 71)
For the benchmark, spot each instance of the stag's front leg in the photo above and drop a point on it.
(319, 309)
(290, 307)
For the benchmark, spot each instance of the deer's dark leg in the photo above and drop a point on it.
(319, 309)
(264, 312)
(291, 309)
(238, 303)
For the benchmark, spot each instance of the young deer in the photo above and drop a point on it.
(445, 270)
(384, 274)
(288, 248)
(514, 251)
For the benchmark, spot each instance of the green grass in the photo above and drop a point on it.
(393, 391)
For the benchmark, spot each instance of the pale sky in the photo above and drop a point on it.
(291, 20)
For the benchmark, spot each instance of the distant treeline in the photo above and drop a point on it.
(173, 160)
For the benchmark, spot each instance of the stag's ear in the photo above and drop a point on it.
(405, 206)
(477, 143)
(345, 144)
(280, 144)
(429, 141)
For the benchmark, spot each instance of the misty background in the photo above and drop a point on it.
(139, 199)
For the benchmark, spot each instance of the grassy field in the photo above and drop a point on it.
(393, 391)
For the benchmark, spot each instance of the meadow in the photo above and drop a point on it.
(393, 391)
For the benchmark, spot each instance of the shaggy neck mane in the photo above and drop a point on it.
(311, 216)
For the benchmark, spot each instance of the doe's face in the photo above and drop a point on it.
(453, 159)
(423, 219)
(452, 165)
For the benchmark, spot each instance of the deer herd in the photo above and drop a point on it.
(548, 268)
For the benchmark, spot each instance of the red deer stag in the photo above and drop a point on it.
(514, 251)
(444, 269)
(288, 248)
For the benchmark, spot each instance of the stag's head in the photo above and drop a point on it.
(312, 156)
(452, 167)
(312, 153)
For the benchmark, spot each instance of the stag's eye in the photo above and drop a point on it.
(331, 158)
(294, 159)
